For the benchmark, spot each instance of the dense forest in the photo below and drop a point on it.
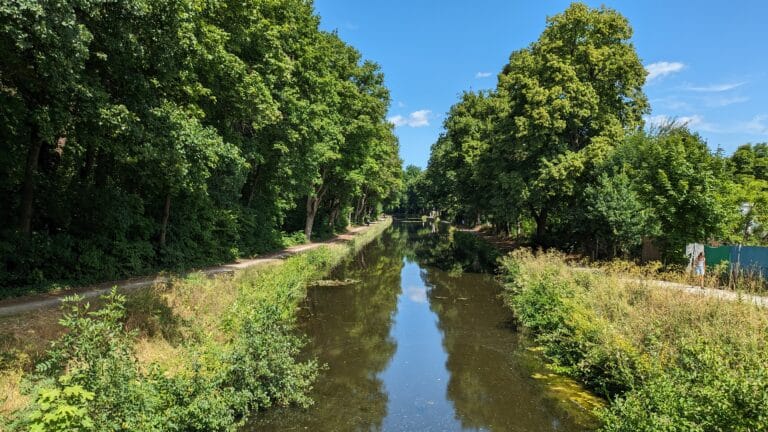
(172, 133)
(559, 152)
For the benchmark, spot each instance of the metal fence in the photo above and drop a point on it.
(744, 259)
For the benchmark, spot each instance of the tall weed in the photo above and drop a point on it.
(666, 360)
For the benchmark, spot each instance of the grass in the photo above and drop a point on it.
(746, 281)
(283, 240)
(178, 326)
(664, 359)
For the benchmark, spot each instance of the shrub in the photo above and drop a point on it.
(91, 375)
(236, 353)
(666, 360)
(60, 410)
(710, 389)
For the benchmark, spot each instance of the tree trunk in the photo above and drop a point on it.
(356, 213)
(312, 204)
(253, 183)
(334, 214)
(28, 187)
(360, 209)
(541, 225)
(166, 216)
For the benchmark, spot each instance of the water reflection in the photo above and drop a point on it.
(490, 371)
(412, 348)
(348, 329)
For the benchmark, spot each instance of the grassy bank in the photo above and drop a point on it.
(665, 360)
(197, 354)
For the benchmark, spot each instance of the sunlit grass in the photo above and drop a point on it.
(188, 318)
(625, 336)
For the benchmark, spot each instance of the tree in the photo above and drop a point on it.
(615, 215)
(749, 194)
(413, 202)
(143, 135)
(454, 165)
(570, 96)
(679, 180)
(44, 50)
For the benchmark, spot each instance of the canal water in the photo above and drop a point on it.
(410, 347)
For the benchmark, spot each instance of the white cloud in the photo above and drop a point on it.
(483, 74)
(400, 104)
(417, 294)
(758, 125)
(694, 121)
(716, 87)
(415, 119)
(659, 69)
(725, 101)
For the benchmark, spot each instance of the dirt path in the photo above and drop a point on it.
(18, 305)
(507, 245)
(721, 294)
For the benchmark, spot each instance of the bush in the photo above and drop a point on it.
(666, 361)
(91, 375)
(228, 348)
(709, 389)
(62, 409)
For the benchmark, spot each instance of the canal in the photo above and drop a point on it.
(410, 347)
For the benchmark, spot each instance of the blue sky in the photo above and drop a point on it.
(708, 59)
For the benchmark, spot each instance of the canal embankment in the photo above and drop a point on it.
(199, 352)
(664, 359)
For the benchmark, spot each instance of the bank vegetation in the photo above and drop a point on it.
(665, 360)
(197, 354)
(169, 134)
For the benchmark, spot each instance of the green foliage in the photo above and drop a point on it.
(455, 181)
(62, 409)
(712, 388)
(262, 362)
(528, 149)
(615, 214)
(567, 99)
(664, 362)
(294, 239)
(92, 377)
(749, 194)
(168, 134)
(244, 360)
(412, 201)
(679, 180)
(557, 152)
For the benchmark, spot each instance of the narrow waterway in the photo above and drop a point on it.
(414, 348)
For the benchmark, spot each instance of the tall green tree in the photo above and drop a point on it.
(570, 96)
(141, 135)
(683, 184)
